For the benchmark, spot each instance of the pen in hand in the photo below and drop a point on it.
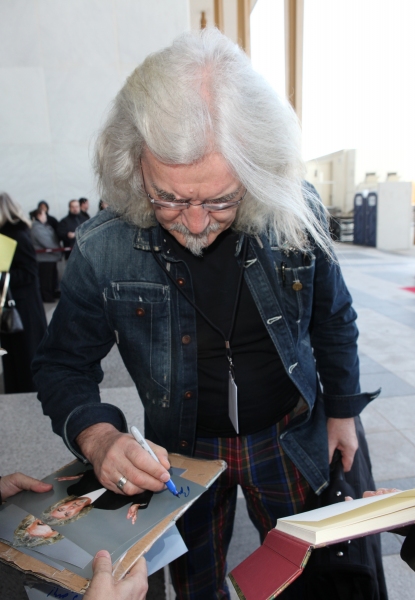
(139, 438)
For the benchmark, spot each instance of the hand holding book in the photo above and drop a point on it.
(378, 492)
(287, 548)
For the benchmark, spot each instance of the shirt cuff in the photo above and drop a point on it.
(86, 415)
(345, 407)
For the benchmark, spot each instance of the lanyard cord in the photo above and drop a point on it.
(201, 313)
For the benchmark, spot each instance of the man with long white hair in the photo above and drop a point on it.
(213, 272)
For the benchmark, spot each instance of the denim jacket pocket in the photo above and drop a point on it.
(140, 315)
(296, 282)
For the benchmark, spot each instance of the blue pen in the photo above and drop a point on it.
(139, 438)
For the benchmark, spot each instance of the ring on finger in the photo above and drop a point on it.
(121, 482)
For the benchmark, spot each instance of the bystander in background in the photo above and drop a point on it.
(102, 205)
(43, 205)
(67, 226)
(84, 204)
(46, 243)
(25, 289)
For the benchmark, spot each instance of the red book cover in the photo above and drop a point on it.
(271, 568)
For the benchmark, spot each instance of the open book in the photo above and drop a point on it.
(286, 549)
(346, 520)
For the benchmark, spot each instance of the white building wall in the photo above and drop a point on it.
(61, 64)
(333, 176)
(394, 216)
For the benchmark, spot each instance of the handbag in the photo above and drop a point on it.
(10, 320)
(348, 570)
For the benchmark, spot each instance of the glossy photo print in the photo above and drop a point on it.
(33, 537)
(80, 513)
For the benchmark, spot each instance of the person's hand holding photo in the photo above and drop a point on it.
(35, 532)
(16, 482)
(133, 587)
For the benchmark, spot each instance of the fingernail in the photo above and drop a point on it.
(165, 477)
(102, 553)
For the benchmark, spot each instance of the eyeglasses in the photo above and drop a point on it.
(210, 206)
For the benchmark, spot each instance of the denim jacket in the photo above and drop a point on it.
(114, 291)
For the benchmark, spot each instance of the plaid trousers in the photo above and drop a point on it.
(273, 488)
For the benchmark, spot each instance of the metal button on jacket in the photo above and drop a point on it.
(181, 281)
(186, 339)
(188, 395)
(140, 312)
(297, 286)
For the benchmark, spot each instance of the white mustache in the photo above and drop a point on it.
(195, 242)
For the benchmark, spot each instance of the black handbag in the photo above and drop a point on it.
(10, 321)
(349, 570)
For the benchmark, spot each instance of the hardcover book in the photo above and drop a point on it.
(286, 549)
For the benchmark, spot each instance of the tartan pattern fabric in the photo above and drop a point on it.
(273, 488)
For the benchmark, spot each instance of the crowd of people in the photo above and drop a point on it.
(41, 241)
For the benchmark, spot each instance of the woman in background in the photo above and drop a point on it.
(24, 287)
(44, 206)
(44, 237)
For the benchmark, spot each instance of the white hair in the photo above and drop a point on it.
(10, 211)
(201, 95)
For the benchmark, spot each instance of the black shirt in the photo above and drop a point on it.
(265, 392)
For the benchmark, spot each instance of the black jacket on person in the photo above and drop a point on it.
(24, 286)
(408, 548)
(69, 224)
(52, 221)
(350, 570)
(109, 500)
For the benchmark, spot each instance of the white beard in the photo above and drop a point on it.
(195, 242)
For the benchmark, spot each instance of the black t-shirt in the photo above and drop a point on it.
(265, 392)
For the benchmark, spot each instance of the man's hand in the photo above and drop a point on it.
(342, 435)
(12, 484)
(115, 455)
(71, 235)
(133, 587)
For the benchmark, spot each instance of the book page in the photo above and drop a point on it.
(353, 511)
